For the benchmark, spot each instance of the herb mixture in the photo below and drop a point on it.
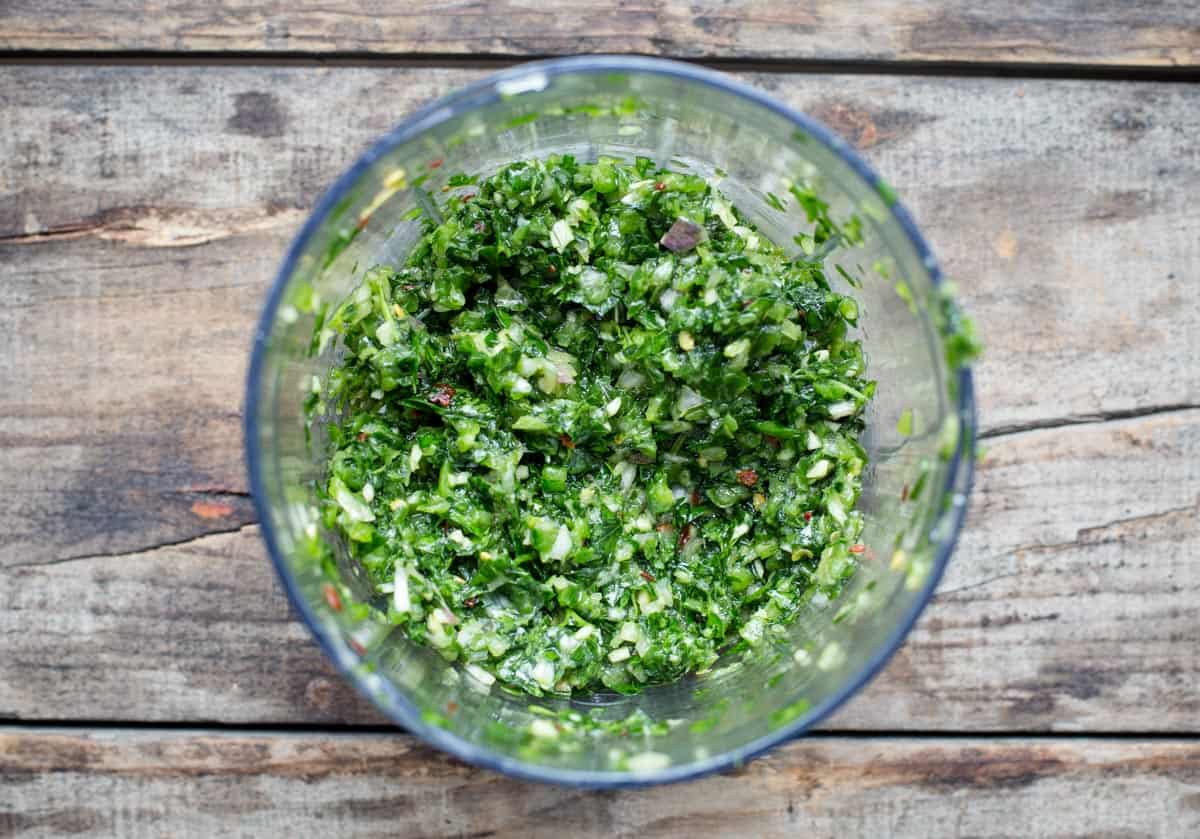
(597, 429)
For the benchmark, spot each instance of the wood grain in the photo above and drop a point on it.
(142, 223)
(1069, 601)
(142, 784)
(198, 631)
(1151, 34)
(1070, 605)
(146, 208)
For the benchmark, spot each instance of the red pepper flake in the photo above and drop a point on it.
(442, 395)
(363, 220)
(647, 576)
(773, 442)
(356, 645)
(332, 597)
(468, 197)
(361, 436)
(857, 549)
(664, 527)
(471, 602)
(747, 477)
(686, 534)
(693, 498)
(904, 493)
(746, 304)
(808, 515)
(436, 164)
(660, 186)
(552, 269)
(566, 441)
(451, 707)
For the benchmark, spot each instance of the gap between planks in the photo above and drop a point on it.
(486, 61)
(1098, 418)
(194, 728)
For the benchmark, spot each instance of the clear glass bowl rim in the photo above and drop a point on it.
(959, 474)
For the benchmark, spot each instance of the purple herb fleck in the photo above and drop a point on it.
(683, 236)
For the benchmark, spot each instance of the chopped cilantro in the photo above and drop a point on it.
(597, 429)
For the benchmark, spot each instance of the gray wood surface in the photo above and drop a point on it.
(147, 216)
(1160, 33)
(198, 785)
(144, 207)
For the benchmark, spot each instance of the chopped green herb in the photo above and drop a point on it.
(597, 429)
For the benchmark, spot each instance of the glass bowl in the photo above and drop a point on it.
(920, 425)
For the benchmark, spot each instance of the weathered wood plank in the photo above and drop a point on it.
(197, 631)
(145, 209)
(185, 784)
(1155, 34)
(1071, 599)
(1069, 606)
(155, 233)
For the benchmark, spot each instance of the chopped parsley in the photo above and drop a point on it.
(597, 429)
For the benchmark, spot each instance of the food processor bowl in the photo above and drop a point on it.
(920, 424)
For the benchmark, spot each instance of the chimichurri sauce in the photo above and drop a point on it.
(597, 428)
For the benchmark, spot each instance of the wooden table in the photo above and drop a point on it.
(155, 159)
